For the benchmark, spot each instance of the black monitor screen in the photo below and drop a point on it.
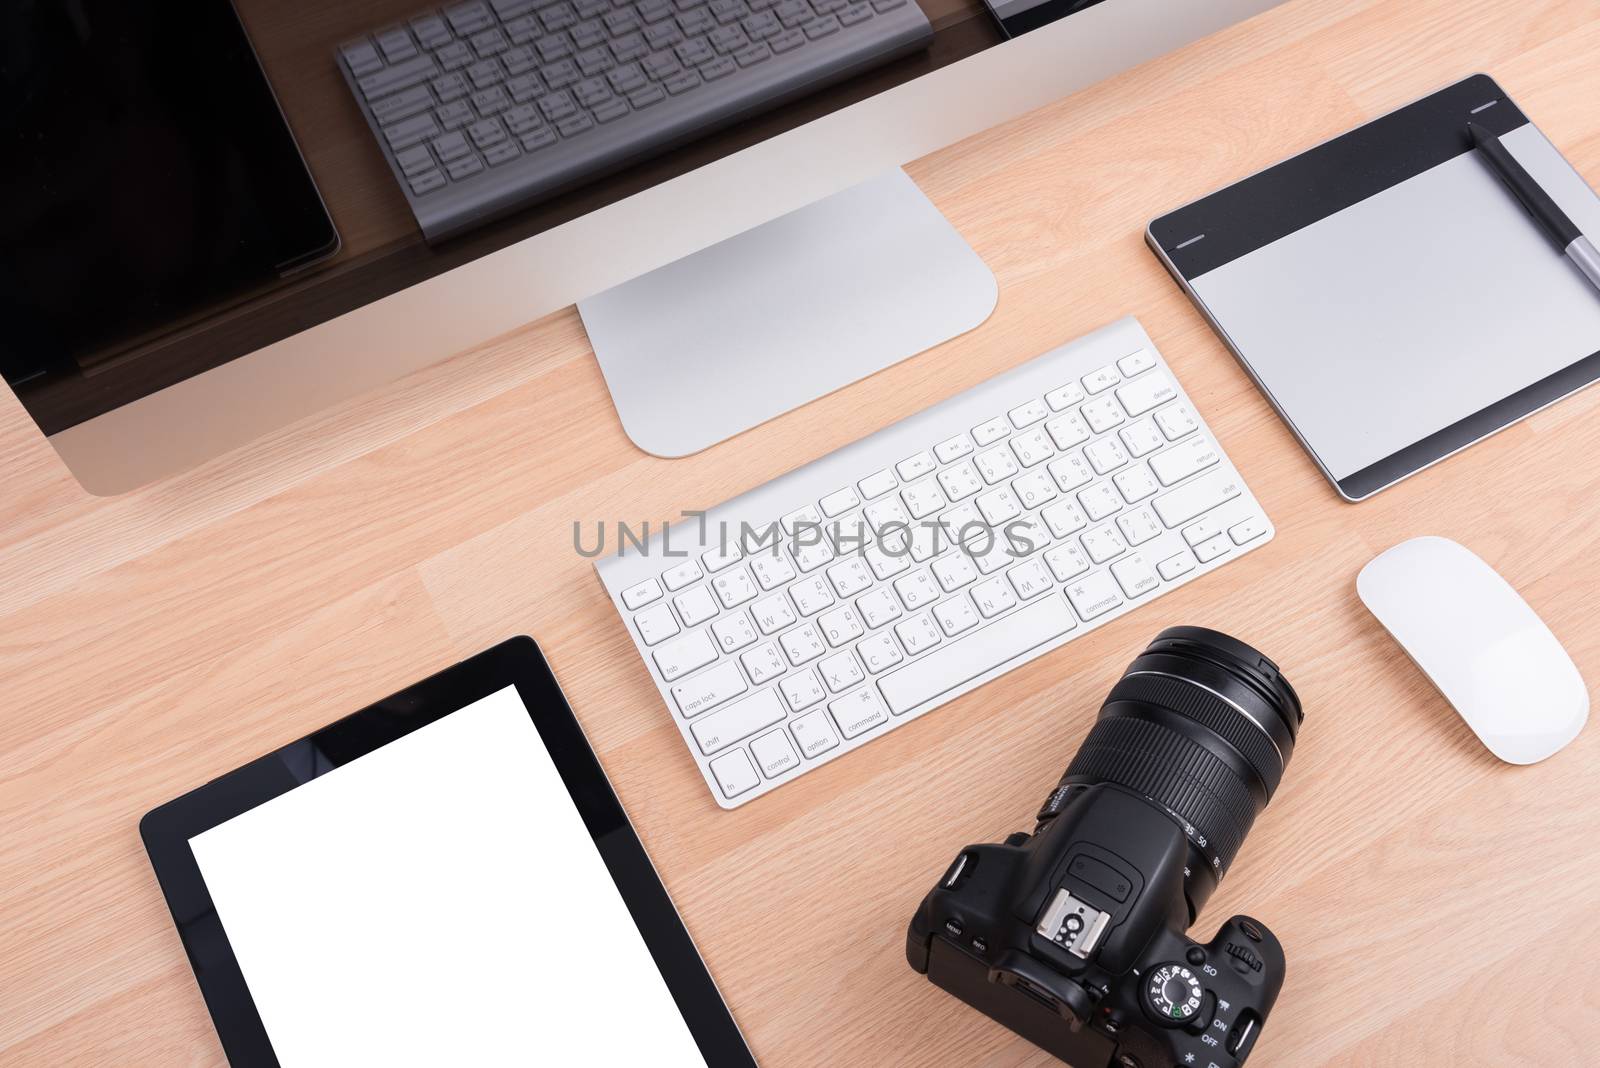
(148, 175)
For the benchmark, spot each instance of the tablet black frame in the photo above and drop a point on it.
(167, 830)
(1248, 215)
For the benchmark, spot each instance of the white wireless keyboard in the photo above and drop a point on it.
(837, 602)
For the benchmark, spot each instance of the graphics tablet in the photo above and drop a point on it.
(1387, 292)
(445, 877)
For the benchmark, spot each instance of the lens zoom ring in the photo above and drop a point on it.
(1211, 711)
(1174, 771)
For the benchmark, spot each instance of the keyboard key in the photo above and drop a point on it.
(877, 484)
(840, 673)
(577, 124)
(469, 18)
(1100, 380)
(1141, 438)
(450, 88)
(709, 689)
(1066, 561)
(994, 596)
(802, 690)
(999, 507)
(1093, 595)
(413, 161)
(954, 571)
(1135, 576)
(733, 632)
(490, 43)
(555, 47)
(524, 88)
(522, 118)
(1174, 566)
(734, 587)
(431, 31)
(773, 753)
(491, 101)
(823, 27)
(428, 182)
(1030, 579)
(997, 465)
(1138, 526)
(811, 595)
(879, 652)
(841, 625)
(643, 98)
(1102, 543)
(954, 616)
(802, 645)
(734, 774)
(858, 712)
(1067, 430)
(362, 58)
(854, 14)
(561, 74)
(720, 67)
(720, 556)
(1143, 394)
(1181, 461)
(1032, 447)
(543, 137)
(1070, 472)
(1247, 531)
(487, 73)
(656, 624)
(764, 662)
(1196, 497)
(849, 577)
(771, 569)
(1136, 362)
(451, 146)
(1105, 455)
(1100, 500)
(486, 132)
(1176, 421)
(1025, 415)
(990, 432)
(402, 105)
(1064, 397)
(396, 44)
(953, 448)
(681, 82)
(965, 659)
(520, 60)
(720, 729)
(916, 589)
(1211, 548)
(786, 41)
(400, 76)
(641, 594)
(465, 167)
(1135, 484)
(774, 614)
(696, 606)
(408, 132)
(1102, 414)
(679, 656)
(1063, 518)
(814, 733)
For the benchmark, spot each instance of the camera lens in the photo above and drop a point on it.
(1201, 725)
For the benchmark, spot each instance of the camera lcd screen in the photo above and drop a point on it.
(438, 900)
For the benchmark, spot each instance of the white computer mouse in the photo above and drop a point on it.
(1480, 643)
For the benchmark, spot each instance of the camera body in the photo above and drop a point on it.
(1116, 982)
(1074, 936)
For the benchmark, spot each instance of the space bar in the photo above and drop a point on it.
(965, 659)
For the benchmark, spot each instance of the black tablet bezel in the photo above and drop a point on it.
(518, 662)
(1248, 215)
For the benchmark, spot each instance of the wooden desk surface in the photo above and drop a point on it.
(1439, 908)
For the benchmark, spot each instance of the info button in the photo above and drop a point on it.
(1101, 876)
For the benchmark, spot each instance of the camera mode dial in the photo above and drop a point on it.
(1172, 992)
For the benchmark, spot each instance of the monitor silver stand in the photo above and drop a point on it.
(747, 329)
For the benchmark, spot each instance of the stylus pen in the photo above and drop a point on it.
(1562, 230)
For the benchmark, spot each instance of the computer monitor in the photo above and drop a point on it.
(388, 302)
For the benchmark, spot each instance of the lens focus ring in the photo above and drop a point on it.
(1212, 712)
(1175, 772)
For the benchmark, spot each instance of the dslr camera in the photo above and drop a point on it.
(1074, 936)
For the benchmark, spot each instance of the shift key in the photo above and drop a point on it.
(1201, 495)
(718, 730)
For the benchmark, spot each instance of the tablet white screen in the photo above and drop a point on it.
(439, 902)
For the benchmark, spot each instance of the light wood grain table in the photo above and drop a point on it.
(1438, 907)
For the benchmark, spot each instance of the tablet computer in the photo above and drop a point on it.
(445, 877)
(1388, 294)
